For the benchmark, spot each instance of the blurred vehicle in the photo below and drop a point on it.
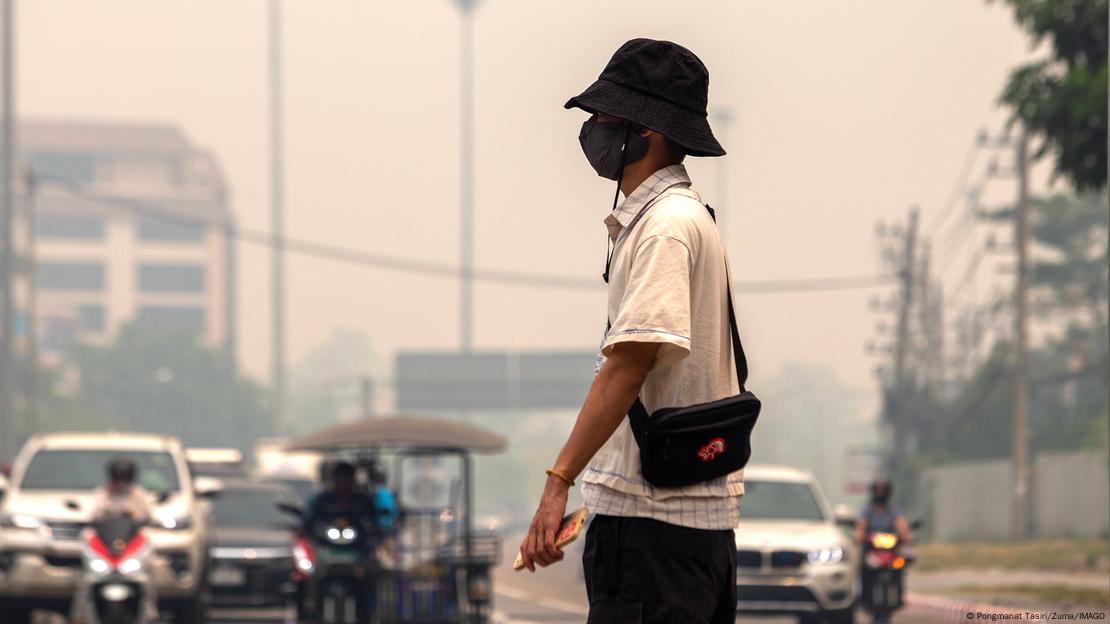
(251, 559)
(116, 552)
(49, 502)
(339, 583)
(438, 568)
(220, 463)
(884, 563)
(793, 555)
(302, 488)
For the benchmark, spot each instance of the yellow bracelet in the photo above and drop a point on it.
(562, 477)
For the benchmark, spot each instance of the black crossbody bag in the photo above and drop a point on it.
(682, 446)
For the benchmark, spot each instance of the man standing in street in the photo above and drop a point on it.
(651, 554)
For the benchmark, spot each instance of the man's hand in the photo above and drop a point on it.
(611, 393)
(538, 546)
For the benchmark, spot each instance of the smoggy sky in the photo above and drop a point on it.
(844, 114)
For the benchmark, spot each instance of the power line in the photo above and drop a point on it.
(957, 187)
(393, 263)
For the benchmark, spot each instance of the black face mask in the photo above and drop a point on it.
(610, 147)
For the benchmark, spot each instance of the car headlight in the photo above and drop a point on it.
(19, 521)
(826, 556)
(174, 524)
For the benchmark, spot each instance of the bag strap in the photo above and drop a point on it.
(637, 414)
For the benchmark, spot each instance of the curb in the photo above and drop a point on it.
(942, 609)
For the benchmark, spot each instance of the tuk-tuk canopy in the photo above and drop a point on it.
(394, 431)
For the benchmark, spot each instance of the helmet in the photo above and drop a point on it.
(343, 469)
(881, 490)
(122, 469)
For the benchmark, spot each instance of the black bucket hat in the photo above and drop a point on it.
(659, 85)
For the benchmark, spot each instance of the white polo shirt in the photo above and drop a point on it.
(667, 284)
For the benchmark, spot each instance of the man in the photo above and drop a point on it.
(881, 515)
(651, 554)
(341, 499)
(119, 497)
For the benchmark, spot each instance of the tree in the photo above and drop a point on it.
(156, 379)
(1068, 393)
(1063, 97)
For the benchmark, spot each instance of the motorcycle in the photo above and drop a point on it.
(884, 564)
(332, 564)
(115, 553)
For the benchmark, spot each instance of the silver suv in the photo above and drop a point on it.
(48, 501)
(793, 555)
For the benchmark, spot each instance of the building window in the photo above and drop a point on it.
(171, 278)
(91, 317)
(174, 318)
(73, 167)
(153, 230)
(51, 226)
(70, 275)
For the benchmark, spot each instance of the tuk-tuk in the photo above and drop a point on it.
(435, 566)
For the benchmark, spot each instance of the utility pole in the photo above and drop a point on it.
(466, 174)
(7, 255)
(895, 404)
(1021, 361)
(366, 396)
(278, 224)
(906, 277)
(32, 391)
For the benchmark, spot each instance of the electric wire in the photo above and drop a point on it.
(369, 259)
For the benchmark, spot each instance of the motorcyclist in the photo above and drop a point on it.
(120, 496)
(341, 498)
(880, 515)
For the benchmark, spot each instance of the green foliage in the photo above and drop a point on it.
(154, 380)
(1063, 98)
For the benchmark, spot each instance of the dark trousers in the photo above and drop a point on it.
(645, 571)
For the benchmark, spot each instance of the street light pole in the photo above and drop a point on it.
(277, 329)
(7, 255)
(466, 174)
(1020, 448)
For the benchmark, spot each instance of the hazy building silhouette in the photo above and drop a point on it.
(131, 222)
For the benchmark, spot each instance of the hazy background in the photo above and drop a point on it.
(844, 114)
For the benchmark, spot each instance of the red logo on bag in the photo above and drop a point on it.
(710, 451)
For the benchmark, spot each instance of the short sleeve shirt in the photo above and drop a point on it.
(667, 285)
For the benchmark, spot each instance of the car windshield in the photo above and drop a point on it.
(249, 507)
(303, 489)
(72, 469)
(777, 500)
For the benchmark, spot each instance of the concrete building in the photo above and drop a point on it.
(130, 222)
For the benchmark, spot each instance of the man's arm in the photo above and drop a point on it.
(905, 536)
(611, 394)
(861, 530)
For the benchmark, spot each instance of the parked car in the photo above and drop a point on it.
(219, 463)
(252, 563)
(794, 556)
(49, 500)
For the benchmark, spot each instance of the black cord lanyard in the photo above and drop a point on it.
(609, 244)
